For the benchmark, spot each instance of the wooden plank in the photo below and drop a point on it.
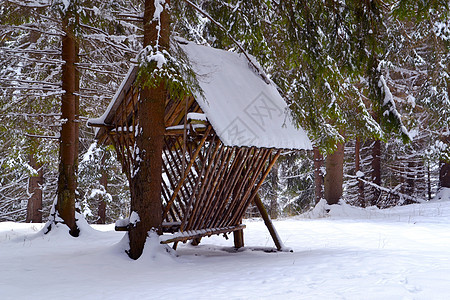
(195, 200)
(211, 200)
(262, 209)
(245, 202)
(233, 173)
(250, 164)
(194, 234)
(206, 187)
(186, 173)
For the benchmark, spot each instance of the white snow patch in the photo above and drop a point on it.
(397, 253)
(134, 218)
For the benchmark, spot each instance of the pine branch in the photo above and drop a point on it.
(29, 4)
(29, 28)
(32, 82)
(251, 62)
(33, 51)
(56, 137)
(387, 190)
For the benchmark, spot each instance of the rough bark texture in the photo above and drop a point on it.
(334, 176)
(102, 203)
(410, 178)
(376, 171)
(318, 174)
(146, 184)
(444, 175)
(361, 198)
(34, 206)
(273, 195)
(65, 206)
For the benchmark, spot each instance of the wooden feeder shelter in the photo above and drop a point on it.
(219, 144)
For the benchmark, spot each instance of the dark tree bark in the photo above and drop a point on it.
(334, 177)
(428, 180)
(444, 175)
(146, 184)
(376, 171)
(34, 206)
(360, 184)
(102, 203)
(65, 206)
(273, 195)
(410, 178)
(318, 174)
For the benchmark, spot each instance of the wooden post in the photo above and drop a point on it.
(262, 210)
(238, 238)
(268, 222)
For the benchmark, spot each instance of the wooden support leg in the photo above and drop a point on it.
(238, 238)
(268, 222)
(174, 247)
(196, 241)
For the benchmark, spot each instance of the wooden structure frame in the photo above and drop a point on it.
(210, 175)
(206, 186)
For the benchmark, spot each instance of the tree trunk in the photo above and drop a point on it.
(428, 180)
(146, 184)
(360, 184)
(102, 203)
(444, 175)
(65, 206)
(376, 171)
(34, 206)
(273, 193)
(318, 174)
(410, 178)
(334, 177)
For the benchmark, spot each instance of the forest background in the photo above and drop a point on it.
(369, 81)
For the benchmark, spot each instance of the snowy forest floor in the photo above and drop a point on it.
(351, 253)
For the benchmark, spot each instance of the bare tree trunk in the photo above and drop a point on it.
(65, 206)
(428, 180)
(361, 198)
(273, 193)
(444, 175)
(102, 203)
(146, 184)
(376, 170)
(334, 177)
(410, 178)
(318, 174)
(34, 206)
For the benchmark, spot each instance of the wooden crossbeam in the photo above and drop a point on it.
(195, 234)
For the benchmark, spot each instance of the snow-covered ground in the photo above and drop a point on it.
(399, 253)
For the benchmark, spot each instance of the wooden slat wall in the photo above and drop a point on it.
(205, 183)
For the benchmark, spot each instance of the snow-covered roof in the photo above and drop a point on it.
(242, 108)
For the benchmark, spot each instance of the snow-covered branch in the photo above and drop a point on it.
(250, 60)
